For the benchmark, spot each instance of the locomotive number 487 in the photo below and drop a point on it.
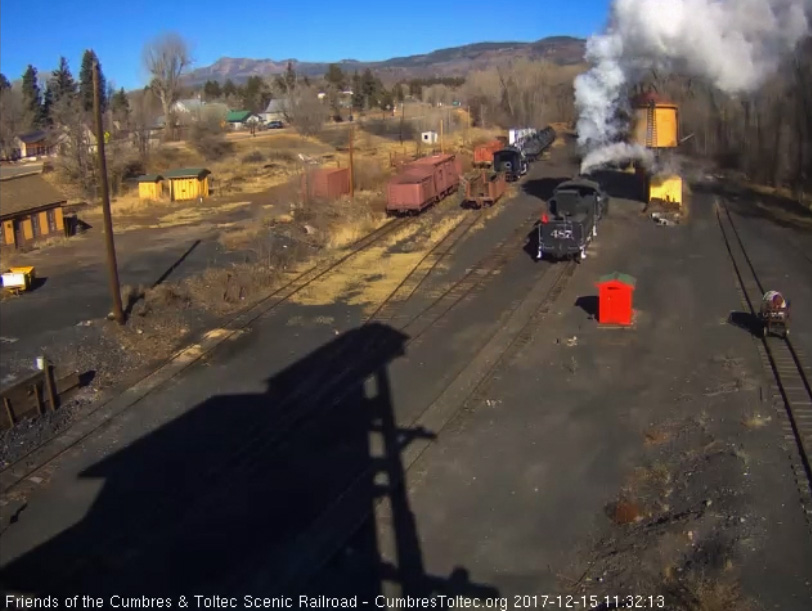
(562, 234)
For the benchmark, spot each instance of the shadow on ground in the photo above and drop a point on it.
(746, 321)
(589, 304)
(780, 210)
(239, 494)
(531, 244)
(619, 184)
(543, 188)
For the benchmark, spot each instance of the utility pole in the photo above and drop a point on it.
(352, 181)
(442, 142)
(112, 266)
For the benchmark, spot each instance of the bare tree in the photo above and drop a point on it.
(167, 58)
(304, 110)
(144, 113)
(13, 118)
(76, 145)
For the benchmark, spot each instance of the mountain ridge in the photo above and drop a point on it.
(446, 62)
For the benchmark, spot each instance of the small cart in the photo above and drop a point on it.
(774, 315)
(18, 279)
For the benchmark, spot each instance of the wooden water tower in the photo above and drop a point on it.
(655, 125)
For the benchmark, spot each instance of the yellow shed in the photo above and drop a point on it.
(665, 188)
(150, 187)
(188, 183)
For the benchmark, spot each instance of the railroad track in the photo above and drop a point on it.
(352, 509)
(325, 393)
(780, 356)
(234, 324)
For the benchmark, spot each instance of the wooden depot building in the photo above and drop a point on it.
(30, 209)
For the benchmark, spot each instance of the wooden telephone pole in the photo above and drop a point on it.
(112, 265)
(352, 168)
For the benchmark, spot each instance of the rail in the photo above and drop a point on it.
(782, 357)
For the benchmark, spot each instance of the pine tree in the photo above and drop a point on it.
(212, 90)
(86, 83)
(4, 84)
(32, 97)
(229, 88)
(120, 105)
(61, 83)
(44, 119)
(335, 76)
(290, 77)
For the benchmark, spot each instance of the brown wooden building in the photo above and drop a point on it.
(30, 209)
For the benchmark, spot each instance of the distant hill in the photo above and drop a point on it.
(454, 61)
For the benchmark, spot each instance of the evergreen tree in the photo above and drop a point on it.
(212, 90)
(290, 78)
(357, 94)
(229, 88)
(4, 84)
(32, 97)
(120, 105)
(335, 77)
(44, 119)
(86, 83)
(61, 83)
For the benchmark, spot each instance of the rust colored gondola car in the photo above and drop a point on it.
(484, 189)
(774, 314)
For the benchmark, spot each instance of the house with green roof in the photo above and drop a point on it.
(241, 119)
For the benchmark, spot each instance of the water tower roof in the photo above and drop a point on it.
(647, 99)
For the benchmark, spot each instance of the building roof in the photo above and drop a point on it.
(276, 105)
(189, 104)
(150, 178)
(618, 277)
(27, 192)
(32, 137)
(186, 173)
(238, 116)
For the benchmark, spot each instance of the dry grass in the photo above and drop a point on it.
(704, 594)
(756, 421)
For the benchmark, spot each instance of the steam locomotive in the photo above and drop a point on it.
(575, 209)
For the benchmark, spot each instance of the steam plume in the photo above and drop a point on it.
(733, 44)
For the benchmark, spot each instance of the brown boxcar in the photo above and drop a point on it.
(484, 189)
(411, 191)
(446, 171)
(483, 154)
(326, 183)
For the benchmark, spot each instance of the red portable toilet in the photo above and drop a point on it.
(615, 299)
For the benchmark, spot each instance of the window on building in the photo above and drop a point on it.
(35, 228)
(51, 214)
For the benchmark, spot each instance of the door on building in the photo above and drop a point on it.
(19, 237)
(51, 214)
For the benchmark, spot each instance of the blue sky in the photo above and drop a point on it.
(318, 30)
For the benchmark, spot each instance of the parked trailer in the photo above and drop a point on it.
(484, 189)
(483, 154)
(18, 279)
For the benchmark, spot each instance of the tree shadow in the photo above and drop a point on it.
(543, 188)
(589, 304)
(747, 321)
(134, 296)
(252, 493)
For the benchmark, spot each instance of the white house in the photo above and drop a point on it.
(275, 111)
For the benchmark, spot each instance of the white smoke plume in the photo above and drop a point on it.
(733, 44)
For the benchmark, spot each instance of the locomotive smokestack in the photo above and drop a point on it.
(733, 44)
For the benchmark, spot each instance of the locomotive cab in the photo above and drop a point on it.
(511, 162)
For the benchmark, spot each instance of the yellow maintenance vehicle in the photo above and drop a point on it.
(655, 126)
